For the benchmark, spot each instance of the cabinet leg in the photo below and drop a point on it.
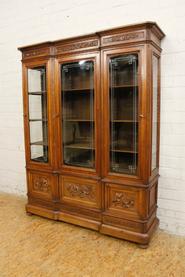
(29, 214)
(143, 246)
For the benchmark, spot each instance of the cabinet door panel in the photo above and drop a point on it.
(122, 125)
(38, 123)
(123, 93)
(79, 119)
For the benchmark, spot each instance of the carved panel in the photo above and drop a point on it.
(123, 38)
(76, 46)
(123, 200)
(80, 191)
(41, 184)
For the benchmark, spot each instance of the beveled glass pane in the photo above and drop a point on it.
(124, 114)
(78, 113)
(154, 112)
(38, 114)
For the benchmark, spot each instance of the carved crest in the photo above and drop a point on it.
(122, 200)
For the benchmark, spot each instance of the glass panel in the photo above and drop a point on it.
(38, 114)
(154, 112)
(78, 113)
(124, 114)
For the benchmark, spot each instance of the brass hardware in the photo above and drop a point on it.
(141, 115)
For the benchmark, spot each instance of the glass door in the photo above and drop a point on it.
(78, 130)
(38, 119)
(123, 101)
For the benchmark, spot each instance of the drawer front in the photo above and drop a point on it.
(42, 185)
(78, 191)
(125, 201)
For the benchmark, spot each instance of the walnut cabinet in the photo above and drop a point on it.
(91, 118)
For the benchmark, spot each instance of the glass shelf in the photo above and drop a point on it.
(77, 89)
(123, 121)
(123, 86)
(124, 151)
(78, 120)
(38, 119)
(37, 92)
(80, 145)
(44, 143)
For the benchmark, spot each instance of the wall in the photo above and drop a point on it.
(27, 22)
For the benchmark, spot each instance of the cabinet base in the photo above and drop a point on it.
(141, 238)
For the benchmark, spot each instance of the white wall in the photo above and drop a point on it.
(26, 22)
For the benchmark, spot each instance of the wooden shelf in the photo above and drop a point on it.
(81, 164)
(42, 143)
(83, 145)
(122, 169)
(37, 92)
(124, 121)
(124, 86)
(124, 151)
(77, 89)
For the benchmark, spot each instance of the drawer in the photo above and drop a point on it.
(126, 201)
(42, 185)
(79, 191)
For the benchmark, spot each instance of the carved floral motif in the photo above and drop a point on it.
(123, 37)
(41, 184)
(82, 191)
(122, 200)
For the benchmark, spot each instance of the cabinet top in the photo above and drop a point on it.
(147, 32)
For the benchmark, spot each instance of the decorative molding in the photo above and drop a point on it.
(81, 191)
(121, 222)
(122, 200)
(36, 52)
(76, 46)
(124, 37)
(41, 184)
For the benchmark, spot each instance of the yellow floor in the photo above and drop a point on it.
(33, 246)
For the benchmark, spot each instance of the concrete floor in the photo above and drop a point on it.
(33, 246)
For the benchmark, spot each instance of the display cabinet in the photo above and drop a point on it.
(92, 121)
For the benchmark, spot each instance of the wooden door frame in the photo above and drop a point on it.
(25, 66)
(67, 169)
(143, 114)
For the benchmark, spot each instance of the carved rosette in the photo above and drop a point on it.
(41, 184)
(122, 200)
(81, 191)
